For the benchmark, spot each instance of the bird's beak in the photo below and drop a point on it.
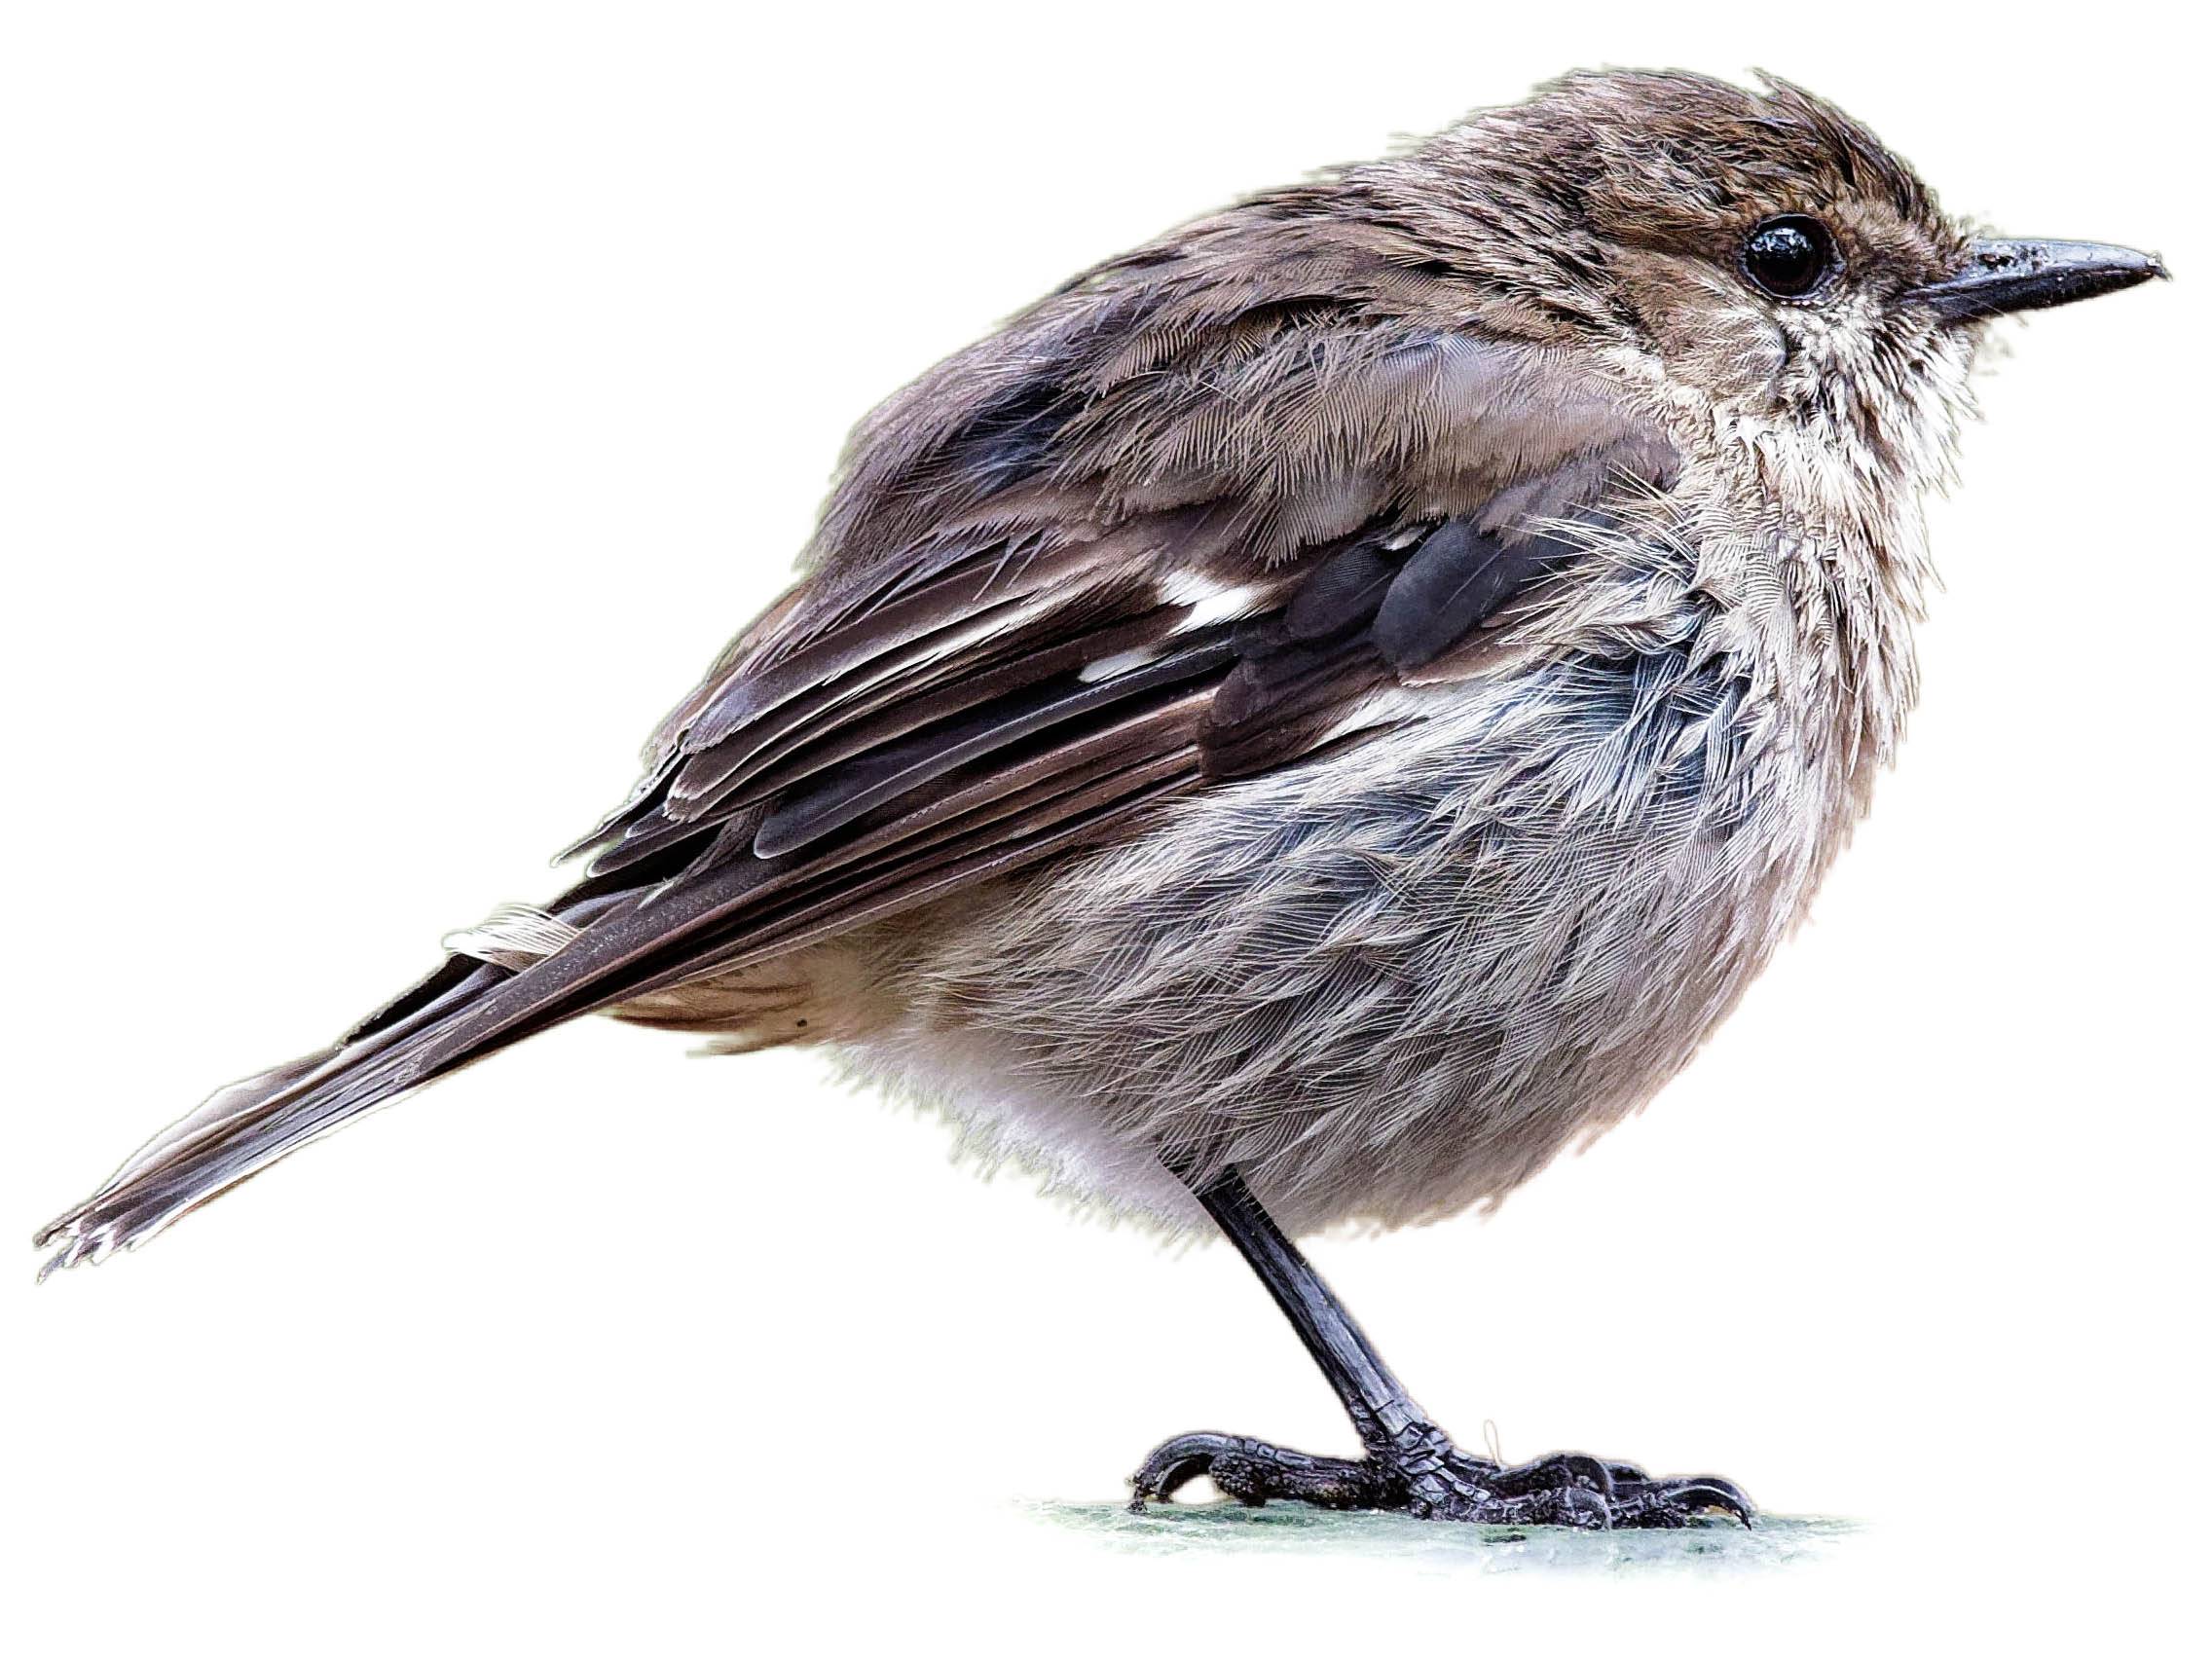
(1999, 276)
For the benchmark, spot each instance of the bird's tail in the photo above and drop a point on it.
(516, 975)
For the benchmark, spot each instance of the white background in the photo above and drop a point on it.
(401, 405)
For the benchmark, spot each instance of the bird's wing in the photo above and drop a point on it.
(1166, 530)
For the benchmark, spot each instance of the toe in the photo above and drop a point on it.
(1680, 1503)
(1254, 1472)
(1559, 1471)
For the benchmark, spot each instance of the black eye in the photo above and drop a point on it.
(1789, 257)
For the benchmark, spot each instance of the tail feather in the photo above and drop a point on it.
(518, 974)
(243, 1128)
(595, 946)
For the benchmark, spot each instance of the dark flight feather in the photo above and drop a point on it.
(901, 767)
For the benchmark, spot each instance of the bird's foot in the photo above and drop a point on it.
(1421, 1473)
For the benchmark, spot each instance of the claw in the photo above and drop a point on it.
(1710, 1492)
(1173, 1464)
(1672, 1502)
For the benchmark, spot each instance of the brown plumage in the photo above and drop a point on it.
(1347, 693)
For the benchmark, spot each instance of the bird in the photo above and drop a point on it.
(1306, 722)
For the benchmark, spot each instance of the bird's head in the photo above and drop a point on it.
(1755, 260)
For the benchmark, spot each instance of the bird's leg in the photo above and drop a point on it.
(1411, 1464)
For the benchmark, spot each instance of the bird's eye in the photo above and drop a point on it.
(1789, 256)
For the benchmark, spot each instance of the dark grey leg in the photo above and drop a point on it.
(1411, 1464)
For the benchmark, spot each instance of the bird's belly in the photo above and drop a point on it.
(1391, 982)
